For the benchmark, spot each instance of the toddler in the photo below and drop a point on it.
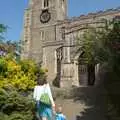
(59, 114)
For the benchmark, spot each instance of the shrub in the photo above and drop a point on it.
(21, 75)
(15, 106)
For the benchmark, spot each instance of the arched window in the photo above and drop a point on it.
(63, 32)
(46, 3)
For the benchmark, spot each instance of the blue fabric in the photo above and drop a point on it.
(37, 109)
(60, 116)
(37, 105)
(44, 110)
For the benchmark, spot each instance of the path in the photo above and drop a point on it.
(88, 105)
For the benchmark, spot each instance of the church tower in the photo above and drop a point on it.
(39, 20)
(39, 36)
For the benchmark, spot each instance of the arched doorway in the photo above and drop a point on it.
(59, 56)
(82, 71)
(91, 74)
(86, 72)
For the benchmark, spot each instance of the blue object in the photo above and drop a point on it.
(37, 105)
(45, 111)
(60, 116)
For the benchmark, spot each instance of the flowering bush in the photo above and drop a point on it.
(20, 75)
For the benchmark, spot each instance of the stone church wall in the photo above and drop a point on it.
(42, 40)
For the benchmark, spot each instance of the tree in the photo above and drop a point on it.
(8, 46)
(17, 80)
(92, 42)
(103, 46)
(3, 29)
(98, 44)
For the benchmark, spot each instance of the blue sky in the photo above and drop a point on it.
(11, 12)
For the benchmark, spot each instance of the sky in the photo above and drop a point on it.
(12, 11)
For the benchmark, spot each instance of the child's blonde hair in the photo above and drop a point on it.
(59, 108)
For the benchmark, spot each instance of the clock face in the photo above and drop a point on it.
(45, 16)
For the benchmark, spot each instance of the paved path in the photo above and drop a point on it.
(88, 105)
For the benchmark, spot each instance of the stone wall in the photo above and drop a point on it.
(41, 41)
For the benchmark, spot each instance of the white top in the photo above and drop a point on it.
(39, 90)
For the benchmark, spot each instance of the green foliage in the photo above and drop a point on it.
(8, 46)
(103, 46)
(21, 75)
(17, 80)
(92, 42)
(15, 105)
(3, 66)
(3, 29)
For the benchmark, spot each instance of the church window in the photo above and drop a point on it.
(42, 34)
(63, 32)
(65, 53)
(26, 41)
(46, 3)
(62, 4)
(71, 39)
(62, 1)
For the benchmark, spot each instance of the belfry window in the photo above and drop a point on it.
(46, 3)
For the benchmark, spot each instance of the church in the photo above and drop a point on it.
(50, 38)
